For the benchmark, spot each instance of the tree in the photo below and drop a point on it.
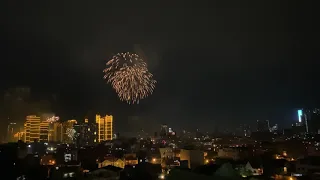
(244, 172)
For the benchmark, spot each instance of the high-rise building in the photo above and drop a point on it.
(44, 131)
(32, 129)
(310, 118)
(300, 115)
(51, 123)
(104, 128)
(55, 132)
(86, 133)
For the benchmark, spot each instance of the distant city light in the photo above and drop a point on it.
(67, 157)
(299, 114)
(161, 176)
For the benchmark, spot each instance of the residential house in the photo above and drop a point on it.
(111, 161)
(130, 159)
(166, 153)
(249, 168)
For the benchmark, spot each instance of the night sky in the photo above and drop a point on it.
(218, 63)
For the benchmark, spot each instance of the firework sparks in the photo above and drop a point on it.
(129, 76)
(71, 133)
(52, 119)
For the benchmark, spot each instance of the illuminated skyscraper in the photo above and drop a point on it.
(55, 132)
(105, 127)
(86, 133)
(300, 115)
(44, 131)
(32, 129)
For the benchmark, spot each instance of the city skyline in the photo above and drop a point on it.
(50, 128)
(129, 121)
(159, 90)
(214, 65)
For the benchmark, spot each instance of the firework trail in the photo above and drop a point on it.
(128, 74)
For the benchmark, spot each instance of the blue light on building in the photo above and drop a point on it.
(300, 115)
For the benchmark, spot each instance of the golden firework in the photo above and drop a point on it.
(128, 74)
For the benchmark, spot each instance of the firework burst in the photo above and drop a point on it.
(129, 76)
(52, 119)
(71, 133)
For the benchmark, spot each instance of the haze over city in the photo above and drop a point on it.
(206, 66)
(212, 64)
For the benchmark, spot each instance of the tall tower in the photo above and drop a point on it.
(32, 128)
(44, 131)
(86, 133)
(105, 127)
(109, 127)
(311, 120)
(55, 132)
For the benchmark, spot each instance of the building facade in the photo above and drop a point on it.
(55, 132)
(104, 128)
(32, 129)
(86, 133)
(193, 157)
(44, 131)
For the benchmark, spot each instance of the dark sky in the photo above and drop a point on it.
(216, 62)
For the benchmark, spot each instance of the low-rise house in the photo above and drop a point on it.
(249, 168)
(130, 159)
(111, 161)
